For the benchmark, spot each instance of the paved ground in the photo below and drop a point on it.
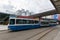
(23, 35)
(53, 35)
(57, 36)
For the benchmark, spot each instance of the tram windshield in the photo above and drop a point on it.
(12, 21)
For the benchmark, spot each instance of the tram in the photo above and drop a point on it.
(22, 24)
(44, 23)
(48, 22)
(53, 22)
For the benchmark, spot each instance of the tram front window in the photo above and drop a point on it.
(12, 21)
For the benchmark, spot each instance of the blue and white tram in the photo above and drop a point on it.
(22, 24)
(44, 23)
(53, 22)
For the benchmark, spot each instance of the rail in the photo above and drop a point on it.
(39, 35)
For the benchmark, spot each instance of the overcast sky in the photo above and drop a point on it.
(36, 6)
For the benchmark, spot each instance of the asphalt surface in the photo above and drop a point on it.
(23, 35)
(53, 35)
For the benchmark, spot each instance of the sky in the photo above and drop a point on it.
(36, 6)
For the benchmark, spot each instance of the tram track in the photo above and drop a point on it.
(46, 33)
(39, 35)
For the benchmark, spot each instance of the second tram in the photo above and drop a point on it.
(44, 23)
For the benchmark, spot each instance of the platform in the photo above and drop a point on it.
(3, 27)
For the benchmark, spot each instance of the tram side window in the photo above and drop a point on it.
(24, 21)
(45, 22)
(36, 22)
(33, 22)
(12, 21)
(30, 22)
(19, 21)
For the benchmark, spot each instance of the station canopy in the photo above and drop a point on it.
(34, 6)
